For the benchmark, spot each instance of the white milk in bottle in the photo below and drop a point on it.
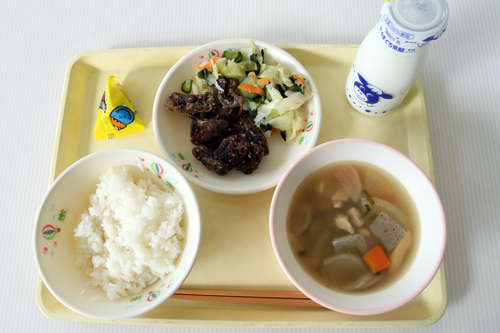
(391, 56)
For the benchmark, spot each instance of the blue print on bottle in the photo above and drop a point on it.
(431, 38)
(368, 93)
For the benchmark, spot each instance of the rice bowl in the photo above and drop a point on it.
(58, 216)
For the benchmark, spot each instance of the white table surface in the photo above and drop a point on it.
(38, 39)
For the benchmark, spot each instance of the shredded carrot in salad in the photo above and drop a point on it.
(264, 81)
(299, 79)
(207, 64)
(251, 89)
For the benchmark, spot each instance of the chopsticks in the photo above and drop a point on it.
(263, 297)
(243, 293)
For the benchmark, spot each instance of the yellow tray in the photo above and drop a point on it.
(236, 251)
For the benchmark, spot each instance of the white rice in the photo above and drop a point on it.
(130, 235)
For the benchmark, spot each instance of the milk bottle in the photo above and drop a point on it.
(391, 56)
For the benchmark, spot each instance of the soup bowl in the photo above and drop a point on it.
(60, 212)
(430, 242)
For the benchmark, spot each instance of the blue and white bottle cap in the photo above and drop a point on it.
(415, 21)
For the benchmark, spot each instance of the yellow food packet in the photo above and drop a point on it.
(116, 116)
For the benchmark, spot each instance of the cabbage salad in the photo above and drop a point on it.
(274, 95)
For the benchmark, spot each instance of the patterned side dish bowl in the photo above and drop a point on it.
(172, 129)
(59, 214)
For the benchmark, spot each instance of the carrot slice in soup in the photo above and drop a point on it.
(376, 259)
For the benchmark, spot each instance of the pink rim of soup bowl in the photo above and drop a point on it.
(298, 277)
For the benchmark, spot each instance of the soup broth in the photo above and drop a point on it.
(353, 227)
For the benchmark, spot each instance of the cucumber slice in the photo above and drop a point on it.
(291, 88)
(253, 57)
(297, 86)
(203, 74)
(187, 86)
(233, 55)
(266, 127)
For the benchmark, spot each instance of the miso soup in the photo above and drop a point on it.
(353, 227)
